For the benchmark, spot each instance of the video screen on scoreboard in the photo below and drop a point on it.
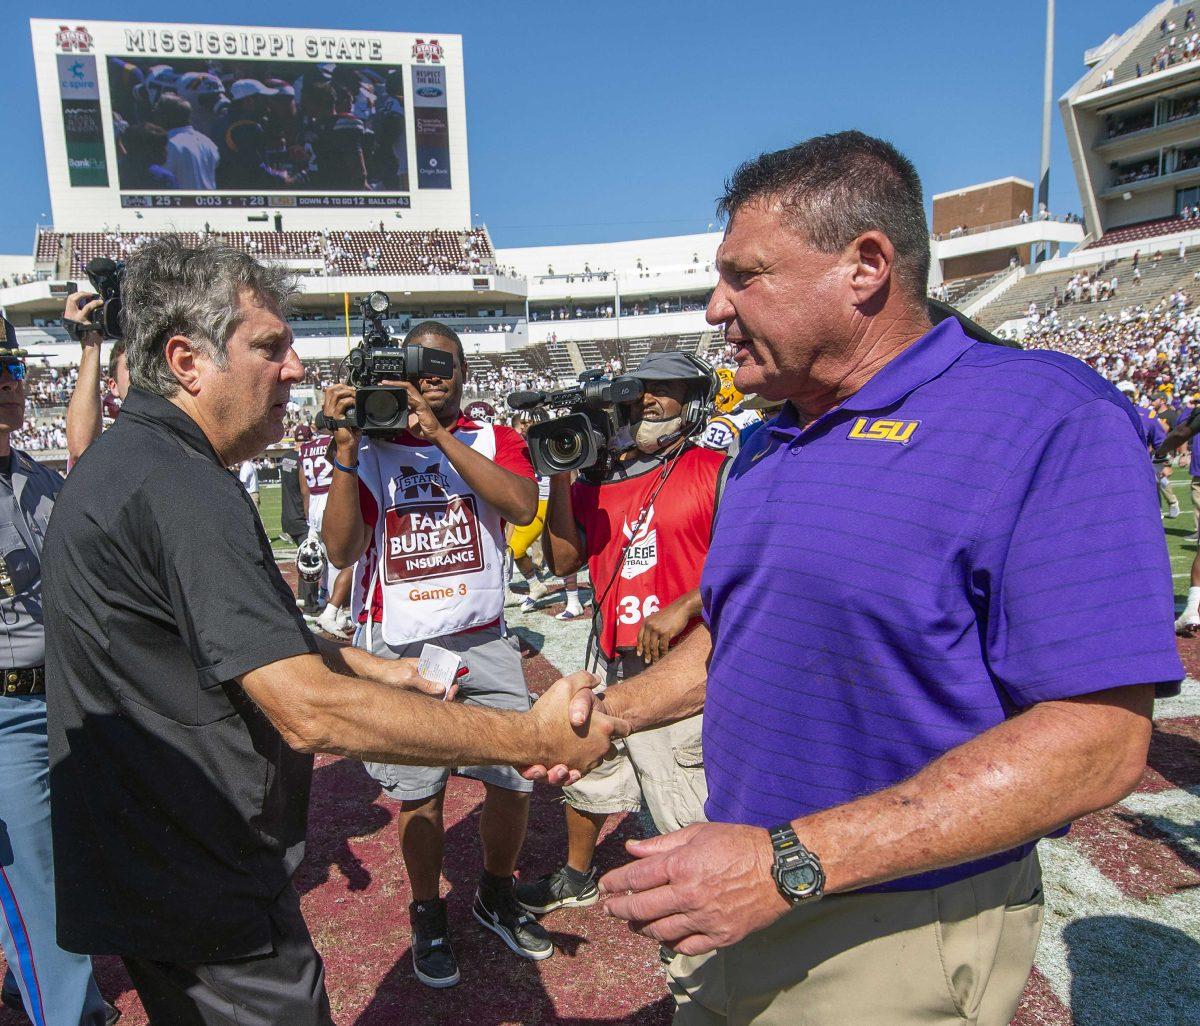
(214, 126)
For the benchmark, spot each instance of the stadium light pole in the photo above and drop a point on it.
(1043, 195)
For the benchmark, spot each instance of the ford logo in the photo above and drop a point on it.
(429, 91)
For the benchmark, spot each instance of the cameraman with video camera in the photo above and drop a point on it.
(421, 506)
(641, 518)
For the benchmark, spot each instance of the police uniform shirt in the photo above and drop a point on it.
(179, 813)
(27, 491)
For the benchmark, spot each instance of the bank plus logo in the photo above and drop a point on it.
(73, 40)
(430, 52)
(883, 430)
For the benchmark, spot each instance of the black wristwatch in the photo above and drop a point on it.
(796, 871)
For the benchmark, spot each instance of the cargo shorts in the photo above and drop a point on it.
(661, 768)
(495, 680)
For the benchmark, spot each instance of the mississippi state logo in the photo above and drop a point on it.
(430, 52)
(883, 430)
(641, 553)
(73, 40)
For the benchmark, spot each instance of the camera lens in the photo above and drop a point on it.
(564, 449)
(382, 407)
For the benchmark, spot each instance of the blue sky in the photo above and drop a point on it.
(593, 122)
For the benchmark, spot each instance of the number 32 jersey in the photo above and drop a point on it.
(666, 546)
(315, 465)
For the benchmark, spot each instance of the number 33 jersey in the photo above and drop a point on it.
(664, 532)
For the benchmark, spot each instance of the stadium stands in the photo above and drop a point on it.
(1164, 46)
(1144, 230)
(335, 253)
(1158, 280)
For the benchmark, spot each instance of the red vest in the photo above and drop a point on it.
(664, 559)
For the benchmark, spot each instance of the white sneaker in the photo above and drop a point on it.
(537, 590)
(330, 624)
(569, 614)
(1187, 624)
(528, 605)
(345, 620)
(1172, 512)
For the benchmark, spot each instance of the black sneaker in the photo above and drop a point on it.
(500, 913)
(433, 958)
(556, 890)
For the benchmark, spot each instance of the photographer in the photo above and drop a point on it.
(423, 513)
(644, 530)
(85, 411)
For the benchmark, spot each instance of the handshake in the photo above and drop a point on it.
(574, 729)
(568, 732)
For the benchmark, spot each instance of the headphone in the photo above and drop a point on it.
(696, 409)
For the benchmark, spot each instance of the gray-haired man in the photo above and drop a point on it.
(187, 692)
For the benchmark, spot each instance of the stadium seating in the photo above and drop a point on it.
(1155, 40)
(350, 252)
(1170, 274)
(1144, 230)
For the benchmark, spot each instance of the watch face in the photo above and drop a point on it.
(800, 879)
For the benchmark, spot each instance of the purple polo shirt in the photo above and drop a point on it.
(975, 531)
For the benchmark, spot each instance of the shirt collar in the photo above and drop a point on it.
(157, 412)
(917, 365)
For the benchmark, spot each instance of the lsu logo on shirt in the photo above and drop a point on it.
(884, 430)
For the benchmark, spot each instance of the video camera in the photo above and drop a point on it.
(588, 438)
(106, 277)
(383, 409)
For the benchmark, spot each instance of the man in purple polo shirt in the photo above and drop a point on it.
(919, 660)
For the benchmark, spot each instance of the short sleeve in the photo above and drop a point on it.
(512, 453)
(231, 605)
(1070, 572)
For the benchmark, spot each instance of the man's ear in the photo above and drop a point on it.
(182, 361)
(872, 261)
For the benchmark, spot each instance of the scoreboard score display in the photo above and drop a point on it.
(179, 126)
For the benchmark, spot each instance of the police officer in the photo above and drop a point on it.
(49, 984)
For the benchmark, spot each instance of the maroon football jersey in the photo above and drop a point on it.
(315, 465)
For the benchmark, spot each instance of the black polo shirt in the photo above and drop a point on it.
(178, 811)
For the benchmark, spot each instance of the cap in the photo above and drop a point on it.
(244, 87)
(280, 87)
(1128, 387)
(668, 367)
(9, 346)
(303, 433)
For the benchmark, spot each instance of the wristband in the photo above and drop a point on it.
(343, 469)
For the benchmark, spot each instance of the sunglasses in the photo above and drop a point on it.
(15, 368)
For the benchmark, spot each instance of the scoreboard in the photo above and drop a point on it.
(164, 126)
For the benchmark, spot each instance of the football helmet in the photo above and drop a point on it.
(310, 561)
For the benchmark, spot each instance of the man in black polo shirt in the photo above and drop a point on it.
(186, 694)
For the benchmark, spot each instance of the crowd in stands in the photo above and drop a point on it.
(50, 387)
(601, 310)
(17, 279)
(1157, 347)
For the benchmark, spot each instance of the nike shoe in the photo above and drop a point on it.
(500, 912)
(564, 888)
(528, 605)
(1172, 512)
(346, 621)
(433, 958)
(570, 614)
(1187, 624)
(329, 623)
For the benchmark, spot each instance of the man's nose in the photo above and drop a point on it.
(293, 369)
(720, 309)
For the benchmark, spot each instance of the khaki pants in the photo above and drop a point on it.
(663, 766)
(952, 955)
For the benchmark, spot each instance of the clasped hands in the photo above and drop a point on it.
(695, 890)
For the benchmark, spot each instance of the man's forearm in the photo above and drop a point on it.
(1175, 438)
(354, 662)
(1012, 784)
(514, 496)
(670, 690)
(84, 421)
(561, 541)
